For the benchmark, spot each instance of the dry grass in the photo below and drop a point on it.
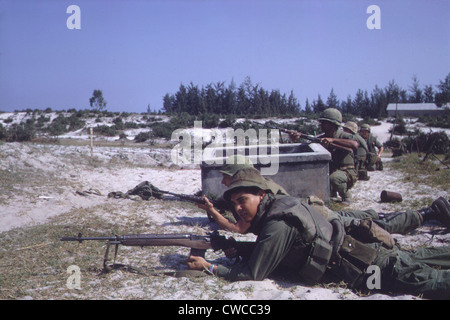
(34, 262)
(429, 172)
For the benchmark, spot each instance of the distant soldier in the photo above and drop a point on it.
(297, 242)
(373, 160)
(398, 147)
(361, 154)
(342, 146)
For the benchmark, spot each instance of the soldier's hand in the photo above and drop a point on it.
(326, 142)
(208, 206)
(294, 135)
(197, 263)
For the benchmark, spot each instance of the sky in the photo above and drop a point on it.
(137, 51)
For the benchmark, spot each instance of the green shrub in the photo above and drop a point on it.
(109, 131)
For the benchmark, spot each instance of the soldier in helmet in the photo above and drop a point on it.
(297, 242)
(398, 147)
(373, 160)
(361, 154)
(233, 165)
(342, 146)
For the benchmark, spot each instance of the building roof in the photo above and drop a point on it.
(412, 106)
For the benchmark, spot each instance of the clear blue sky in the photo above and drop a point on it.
(137, 51)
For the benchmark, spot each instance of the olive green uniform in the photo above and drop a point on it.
(288, 230)
(280, 242)
(372, 154)
(343, 174)
(398, 222)
(361, 152)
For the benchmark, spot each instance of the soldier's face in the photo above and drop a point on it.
(365, 134)
(246, 204)
(328, 128)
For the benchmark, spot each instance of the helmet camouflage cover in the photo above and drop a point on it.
(234, 163)
(247, 177)
(331, 115)
(352, 126)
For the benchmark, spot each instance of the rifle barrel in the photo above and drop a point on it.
(182, 240)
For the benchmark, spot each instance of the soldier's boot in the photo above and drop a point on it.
(379, 166)
(346, 198)
(362, 175)
(439, 210)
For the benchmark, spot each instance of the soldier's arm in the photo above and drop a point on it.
(348, 143)
(272, 246)
(380, 149)
(239, 227)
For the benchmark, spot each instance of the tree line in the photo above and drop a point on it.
(217, 98)
(250, 99)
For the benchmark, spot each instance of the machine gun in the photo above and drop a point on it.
(198, 244)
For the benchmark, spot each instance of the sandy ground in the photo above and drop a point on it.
(52, 176)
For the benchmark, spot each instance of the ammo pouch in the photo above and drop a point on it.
(368, 231)
(316, 264)
(355, 257)
(357, 252)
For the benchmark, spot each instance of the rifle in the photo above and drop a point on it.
(313, 139)
(146, 190)
(196, 199)
(198, 244)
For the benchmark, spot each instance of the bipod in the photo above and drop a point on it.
(116, 266)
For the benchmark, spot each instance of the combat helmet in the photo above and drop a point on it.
(365, 127)
(247, 177)
(352, 126)
(332, 115)
(235, 163)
